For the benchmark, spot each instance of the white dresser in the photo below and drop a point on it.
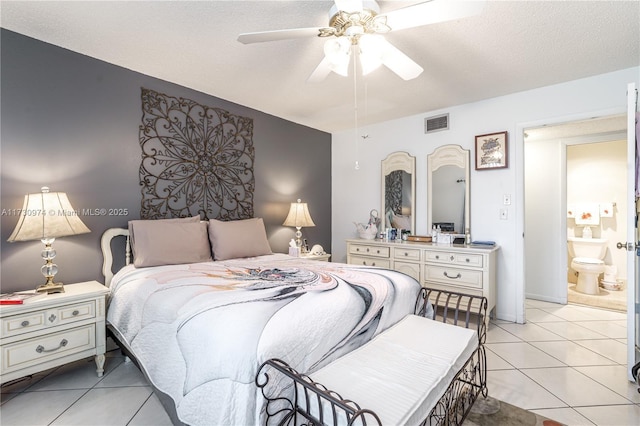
(54, 330)
(459, 268)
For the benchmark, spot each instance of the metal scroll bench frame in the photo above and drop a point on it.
(300, 405)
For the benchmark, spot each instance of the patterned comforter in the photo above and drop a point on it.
(201, 330)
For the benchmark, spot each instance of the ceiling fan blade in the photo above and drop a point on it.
(431, 12)
(278, 35)
(398, 62)
(321, 72)
(349, 5)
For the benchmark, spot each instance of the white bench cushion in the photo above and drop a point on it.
(402, 373)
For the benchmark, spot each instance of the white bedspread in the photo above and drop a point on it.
(201, 330)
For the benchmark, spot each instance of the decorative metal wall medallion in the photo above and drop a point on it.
(195, 160)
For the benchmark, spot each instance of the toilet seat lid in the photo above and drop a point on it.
(588, 261)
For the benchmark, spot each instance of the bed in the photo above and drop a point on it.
(199, 330)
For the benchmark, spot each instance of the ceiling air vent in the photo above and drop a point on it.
(436, 124)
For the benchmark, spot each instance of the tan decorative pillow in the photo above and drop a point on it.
(238, 238)
(166, 242)
(140, 225)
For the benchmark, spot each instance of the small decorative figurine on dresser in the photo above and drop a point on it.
(369, 231)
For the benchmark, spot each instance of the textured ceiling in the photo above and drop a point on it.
(512, 46)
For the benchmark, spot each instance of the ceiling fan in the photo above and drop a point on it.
(358, 26)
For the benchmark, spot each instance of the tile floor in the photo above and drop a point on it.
(566, 363)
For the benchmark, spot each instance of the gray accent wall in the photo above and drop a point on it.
(71, 122)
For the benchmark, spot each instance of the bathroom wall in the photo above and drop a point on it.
(596, 173)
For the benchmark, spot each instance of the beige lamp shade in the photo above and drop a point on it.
(47, 215)
(299, 216)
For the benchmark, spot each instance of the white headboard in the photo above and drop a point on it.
(107, 255)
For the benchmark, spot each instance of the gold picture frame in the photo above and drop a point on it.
(492, 151)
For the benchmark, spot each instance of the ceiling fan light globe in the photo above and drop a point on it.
(337, 51)
(369, 63)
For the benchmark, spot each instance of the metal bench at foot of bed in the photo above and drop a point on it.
(294, 398)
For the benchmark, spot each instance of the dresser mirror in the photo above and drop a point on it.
(399, 191)
(448, 189)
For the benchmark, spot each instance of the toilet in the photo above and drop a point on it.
(588, 255)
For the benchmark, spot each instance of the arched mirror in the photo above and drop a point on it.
(448, 189)
(399, 191)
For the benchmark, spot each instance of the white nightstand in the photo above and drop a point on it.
(320, 257)
(54, 330)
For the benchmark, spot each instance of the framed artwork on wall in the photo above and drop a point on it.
(491, 151)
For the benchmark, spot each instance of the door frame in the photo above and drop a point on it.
(519, 215)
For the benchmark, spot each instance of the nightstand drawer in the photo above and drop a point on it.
(369, 261)
(76, 312)
(25, 323)
(40, 349)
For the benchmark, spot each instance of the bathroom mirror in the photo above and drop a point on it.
(399, 191)
(448, 189)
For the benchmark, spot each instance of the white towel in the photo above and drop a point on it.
(606, 210)
(587, 214)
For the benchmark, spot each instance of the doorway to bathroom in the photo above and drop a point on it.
(596, 222)
(571, 167)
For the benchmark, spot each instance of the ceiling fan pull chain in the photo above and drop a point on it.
(354, 50)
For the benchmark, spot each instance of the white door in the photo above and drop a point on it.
(633, 243)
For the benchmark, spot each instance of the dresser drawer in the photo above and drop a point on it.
(453, 276)
(400, 253)
(365, 250)
(369, 261)
(411, 269)
(23, 323)
(29, 352)
(468, 259)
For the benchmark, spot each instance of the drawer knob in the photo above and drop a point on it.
(52, 318)
(40, 349)
(24, 323)
(437, 256)
(75, 313)
(451, 258)
(357, 248)
(378, 251)
(406, 254)
(453, 278)
(468, 260)
(367, 250)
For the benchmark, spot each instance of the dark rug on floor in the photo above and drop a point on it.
(491, 412)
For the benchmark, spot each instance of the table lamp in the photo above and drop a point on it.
(299, 217)
(46, 216)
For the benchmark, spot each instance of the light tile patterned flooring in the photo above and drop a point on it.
(567, 363)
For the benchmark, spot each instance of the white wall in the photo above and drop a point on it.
(355, 193)
(546, 258)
